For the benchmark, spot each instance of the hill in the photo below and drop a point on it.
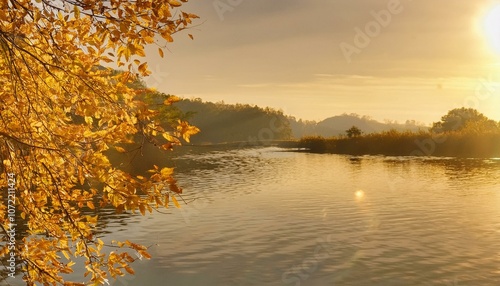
(220, 122)
(337, 125)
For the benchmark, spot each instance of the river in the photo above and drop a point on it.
(268, 216)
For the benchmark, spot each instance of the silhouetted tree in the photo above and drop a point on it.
(353, 132)
(461, 118)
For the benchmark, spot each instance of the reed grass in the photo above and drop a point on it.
(394, 143)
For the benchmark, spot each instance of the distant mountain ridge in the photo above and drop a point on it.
(337, 125)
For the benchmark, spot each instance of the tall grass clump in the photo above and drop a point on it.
(394, 143)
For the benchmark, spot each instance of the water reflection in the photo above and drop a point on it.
(260, 214)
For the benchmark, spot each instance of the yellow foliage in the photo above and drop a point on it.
(185, 130)
(61, 109)
(176, 203)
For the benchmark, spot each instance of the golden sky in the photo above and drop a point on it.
(314, 59)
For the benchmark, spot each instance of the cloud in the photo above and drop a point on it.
(283, 51)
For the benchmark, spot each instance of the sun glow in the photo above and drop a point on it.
(491, 27)
(359, 195)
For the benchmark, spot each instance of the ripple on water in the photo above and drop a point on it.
(265, 216)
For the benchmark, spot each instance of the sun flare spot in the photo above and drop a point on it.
(491, 27)
(359, 194)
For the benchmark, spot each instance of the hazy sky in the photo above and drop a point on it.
(314, 59)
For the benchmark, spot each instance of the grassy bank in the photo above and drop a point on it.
(393, 143)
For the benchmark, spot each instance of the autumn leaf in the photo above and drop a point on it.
(176, 203)
(66, 254)
(174, 188)
(142, 209)
(81, 176)
(166, 172)
(62, 107)
(120, 149)
(76, 12)
(186, 130)
(174, 3)
(171, 99)
(90, 205)
(143, 68)
(169, 137)
(167, 36)
(129, 270)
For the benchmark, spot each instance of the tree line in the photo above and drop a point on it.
(220, 122)
(462, 132)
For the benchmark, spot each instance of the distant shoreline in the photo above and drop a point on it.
(393, 143)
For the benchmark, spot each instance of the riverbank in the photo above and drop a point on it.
(393, 143)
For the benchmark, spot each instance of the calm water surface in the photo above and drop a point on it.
(266, 216)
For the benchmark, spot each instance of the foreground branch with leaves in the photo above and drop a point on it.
(61, 112)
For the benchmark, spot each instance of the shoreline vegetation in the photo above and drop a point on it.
(390, 143)
(462, 133)
(394, 143)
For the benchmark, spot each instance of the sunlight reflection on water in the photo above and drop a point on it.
(261, 212)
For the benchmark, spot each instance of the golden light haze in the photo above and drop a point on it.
(417, 62)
